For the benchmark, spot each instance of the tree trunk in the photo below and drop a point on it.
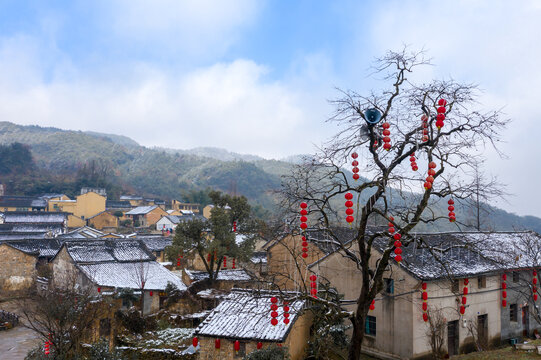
(358, 321)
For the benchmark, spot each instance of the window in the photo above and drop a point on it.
(516, 276)
(370, 326)
(513, 314)
(481, 282)
(389, 286)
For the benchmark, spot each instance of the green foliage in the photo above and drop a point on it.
(269, 353)
(134, 322)
(15, 158)
(216, 236)
(100, 351)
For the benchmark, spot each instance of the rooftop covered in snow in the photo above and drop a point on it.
(141, 210)
(245, 315)
(223, 275)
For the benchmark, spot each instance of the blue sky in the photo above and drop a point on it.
(256, 76)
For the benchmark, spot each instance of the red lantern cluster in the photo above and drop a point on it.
(504, 292)
(534, 285)
(414, 166)
(424, 296)
(313, 286)
(441, 113)
(372, 305)
(430, 178)
(451, 208)
(355, 169)
(464, 298)
(274, 313)
(304, 247)
(386, 138)
(286, 313)
(47, 347)
(233, 266)
(178, 262)
(225, 262)
(349, 208)
(398, 247)
(304, 219)
(391, 225)
(424, 119)
(234, 226)
(195, 341)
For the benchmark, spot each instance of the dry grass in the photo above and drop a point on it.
(508, 353)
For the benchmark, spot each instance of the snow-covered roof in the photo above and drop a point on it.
(31, 228)
(259, 257)
(225, 275)
(130, 197)
(36, 247)
(156, 243)
(141, 210)
(173, 219)
(84, 232)
(187, 212)
(463, 254)
(105, 250)
(246, 315)
(34, 217)
(130, 274)
(23, 236)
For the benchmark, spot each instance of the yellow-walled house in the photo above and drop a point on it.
(103, 220)
(84, 206)
(179, 206)
(22, 203)
(146, 216)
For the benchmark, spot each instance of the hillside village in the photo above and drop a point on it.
(116, 252)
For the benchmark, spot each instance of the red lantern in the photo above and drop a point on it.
(425, 306)
(350, 219)
(349, 211)
(429, 179)
(424, 118)
(274, 322)
(47, 348)
(286, 321)
(386, 125)
(355, 177)
(432, 165)
(440, 117)
(99, 289)
(423, 286)
(195, 341)
(534, 281)
(348, 196)
(464, 299)
(462, 310)
(451, 202)
(425, 317)
(504, 285)
(208, 257)
(217, 343)
(304, 219)
(466, 281)
(391, 230)
(313, 284)
(439, 124)
(465, 291)
(274, 307)
(225, 261)
(151, 293)
(398, 251)
(427, 185)
(286, 315)
(431, 172)
(504, 277)
(504, 294)
(398, 258)
(372, 305)
(304, 212)
(304, 205)
(349, 203)
(304, 226)
(397, 244)
(354, 155)
(534, 297)
(274, 314)
(304, 255)
(397, 236)
(386, 132)
(504, 303)
(313, 278)
(355, 170)
(441, 110)
(313, 291)
(237, 345)
(424, 296)
(304, 244)
(387, 146)
(534, 273)
(354, 163)
(442, 102)
(274, 300)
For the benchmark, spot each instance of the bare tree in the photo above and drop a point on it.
(140, 277)
(436, 333)
(412, 128)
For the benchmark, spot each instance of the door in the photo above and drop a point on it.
(525, 321)
(452, 337)
(482, 331)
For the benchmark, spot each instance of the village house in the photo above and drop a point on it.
(242, 324)
(117, 205)
(207, 210)
(103, 221)
(22, 203)
(179, 206)
(226, 279)
(170, 222)
(156, 244)
(53, 220)
(82, 208)
(145, 216)
(396, 327)
(110, 265)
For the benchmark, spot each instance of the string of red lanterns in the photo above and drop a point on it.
(225, 262)
(47, 347)
(313, 286)
(349, 206)
(286, 312)
(274, 313)
(386, 138)
(391, 225)
(424, 119)
(355, 163)
(233, 267)
(398, 247)
(304, 219)
(464, 298)
(451, 208)
(424, 296)
(441, 113)
(504, 292)
(413, 162)
(534, 284)
(234, 226)
(372, 305)
(430, 178)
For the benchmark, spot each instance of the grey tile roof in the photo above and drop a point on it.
(224, 275)
(110, 250)
(141, 210)
(130, 274)
(156, 243)
(245, 315)
(21, 236)
(22, 201)
(31, 228)
(117, 204)
(34, 217)
(37, 247)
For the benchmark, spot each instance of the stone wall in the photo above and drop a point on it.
(17, 272)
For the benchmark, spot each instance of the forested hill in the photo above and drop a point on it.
(63, 161)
